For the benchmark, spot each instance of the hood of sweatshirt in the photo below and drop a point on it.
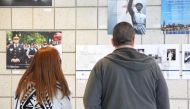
(130, 58)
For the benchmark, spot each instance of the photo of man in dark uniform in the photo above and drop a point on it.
(30, 52)
(15, 53)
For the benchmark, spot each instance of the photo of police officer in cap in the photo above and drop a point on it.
(15, 53)
(22, 45)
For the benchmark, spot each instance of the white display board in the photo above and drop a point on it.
(88, 55)
(172, 74)
(166, 55)
(186, 57)
(186, 75)
(82, 75)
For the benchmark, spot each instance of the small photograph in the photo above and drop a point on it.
(25, 2)
(21, 46)
(187, 57)
(171, 54)
(140, 50)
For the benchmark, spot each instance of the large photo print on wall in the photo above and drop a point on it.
(132, 11)
(21, 46)
(25, 2)
(175, 16)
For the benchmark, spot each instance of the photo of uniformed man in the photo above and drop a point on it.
(15, 53)
(132, 11)
(22, 45)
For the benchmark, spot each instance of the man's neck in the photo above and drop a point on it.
(124, 46)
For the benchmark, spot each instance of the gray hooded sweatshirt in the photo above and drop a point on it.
(126, 79)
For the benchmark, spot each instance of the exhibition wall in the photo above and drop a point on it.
(82, 22)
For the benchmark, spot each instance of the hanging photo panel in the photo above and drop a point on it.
(132, 11)
(175, 16)
(186, 57)
(22, 45)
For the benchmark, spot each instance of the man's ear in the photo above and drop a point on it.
(113, 42)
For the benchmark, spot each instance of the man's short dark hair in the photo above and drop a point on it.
(123, 34)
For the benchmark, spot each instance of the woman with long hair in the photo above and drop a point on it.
(43, 85)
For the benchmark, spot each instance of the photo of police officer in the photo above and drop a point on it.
(31, 51)
(22, 45)
(15, 53)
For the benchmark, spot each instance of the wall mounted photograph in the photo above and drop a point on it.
(175, 16)
(25, 2)
(132, 11)
(22, 45)
(186, 57)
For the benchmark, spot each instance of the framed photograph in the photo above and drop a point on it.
(25, 2)
(22, 45)
(175, 16)
(132, 11)
(186, 57)
(171, 54)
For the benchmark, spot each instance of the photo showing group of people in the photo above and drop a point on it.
(156, 57)
(21, 46)
(175, 16)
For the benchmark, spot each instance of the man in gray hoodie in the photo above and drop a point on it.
(126, 79)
